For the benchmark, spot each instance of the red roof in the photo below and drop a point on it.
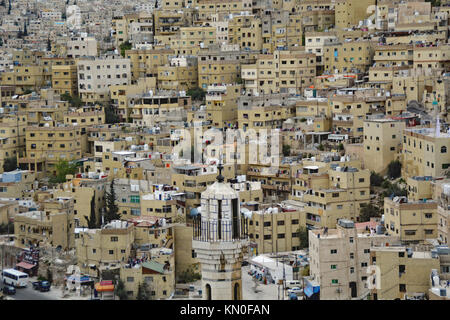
(25, 265)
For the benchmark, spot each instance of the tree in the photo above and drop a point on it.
(303, 234)
(92, 220)
(49, 45)
(305, 271)
(368, 211)
(9, 7)
(49, 275)
(75, 102)
(394, 169)
(120, 290)
(110, 116)
(10, 164)
(143, 292)
(63, 168)
(112, 210)
(125, 46)
(341, 147)
(25, 32)
(7, 228)
(375, 179)
(321, 147)
(197, 94)
(286, 150)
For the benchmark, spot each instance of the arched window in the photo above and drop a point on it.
(208, 292)
(237, 293)
(443, 149)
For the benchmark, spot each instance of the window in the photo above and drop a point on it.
(111, 251)
(334, 281)
(114, 239)
(281, 236)
(267, 237)
(333, 251)
(402, 287)
(130, 279)
(428, 215)
(352, 255)
(295, 221)
(333, 266)
(134, 199)
(351, 239)
(363, 264)
(280, 223)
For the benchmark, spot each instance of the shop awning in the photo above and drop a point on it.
(104, 286)
(25, 265)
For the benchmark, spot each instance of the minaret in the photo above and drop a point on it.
(220, 236)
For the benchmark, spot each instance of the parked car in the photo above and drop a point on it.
(295, 290)
(9, 290)
(41, 285)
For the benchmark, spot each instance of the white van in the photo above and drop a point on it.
(293, 283)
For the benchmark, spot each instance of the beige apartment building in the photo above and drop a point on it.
(403, 271)
(412, 221)
(17, 184)
(347, 190)
(348, 13)
(12, 136)
(53, 225)
(340, 257)
(280, 72)
(96, 75)
(382, 143)
(275, 229)
(425, 153)
(105, 248)
(82, 47)
(122, 96)
(206, 8)
(65, 79)
(441, 193)
(218, 67)
(221, 104)
(144, 62)
(179, 74)
(245, 31)
(46, 145)
(8, 210)
(419, 188)
(348, 56)
(159, 277)
(85, 189)
(191, 39)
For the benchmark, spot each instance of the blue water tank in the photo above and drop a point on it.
(194, 212)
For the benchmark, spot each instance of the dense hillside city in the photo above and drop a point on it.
(224, 150)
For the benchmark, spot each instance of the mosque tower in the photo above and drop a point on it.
(219, 239)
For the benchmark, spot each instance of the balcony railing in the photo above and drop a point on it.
(220, 231)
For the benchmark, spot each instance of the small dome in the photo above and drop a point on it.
(219, 190)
